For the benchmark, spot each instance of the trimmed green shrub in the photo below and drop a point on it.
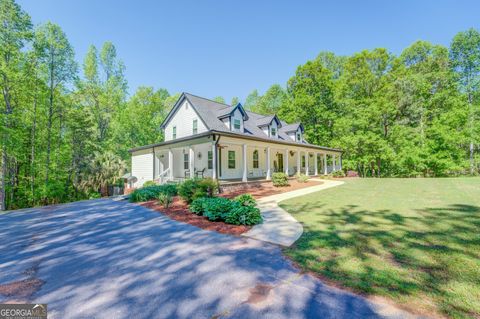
(198, 205)
(279, 179)
(165, 199)
(246, 200)
(244, 215)
(94, 195)
(196, 188)
(149, 183)
(302, 178)
(151, 192)
(338, 173)
(217, 208)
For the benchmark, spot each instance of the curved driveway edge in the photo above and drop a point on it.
(279, 227)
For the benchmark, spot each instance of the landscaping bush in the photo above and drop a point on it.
(246, 200)
(240, 211)
(151, 192)
(339, 173)
(94, 195)
(149, 183)
(196, 188)
(352, 174)
(217, 208)
(279, 179)
(302, 178)
(198, 205)
(165, 199)
(244, 215)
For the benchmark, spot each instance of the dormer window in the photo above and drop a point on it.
(236, 124)
(299, 137)
(273, 131)
(174, 132)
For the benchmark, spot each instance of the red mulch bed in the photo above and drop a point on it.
(178, 210)
(259, 190)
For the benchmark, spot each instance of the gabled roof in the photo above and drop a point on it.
(229, 110)
(267, 120)
(293, 127)
(211, 112)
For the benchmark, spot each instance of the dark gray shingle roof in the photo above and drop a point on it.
(210, 111)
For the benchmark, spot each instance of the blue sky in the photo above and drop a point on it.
(229, 48)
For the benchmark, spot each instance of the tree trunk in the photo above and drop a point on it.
(471, 130)
(32, 154)
(8, 111)
(50, 123)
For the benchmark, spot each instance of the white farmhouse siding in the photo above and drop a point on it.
(183, 121)
(265, 130)
(142, 166)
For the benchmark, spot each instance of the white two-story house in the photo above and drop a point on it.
(204, 138)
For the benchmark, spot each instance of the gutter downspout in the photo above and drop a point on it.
(216, 155)
(153, 161)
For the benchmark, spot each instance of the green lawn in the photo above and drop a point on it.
(416, 241)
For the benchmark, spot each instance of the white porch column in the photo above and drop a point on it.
(315, 162)
(170, 164)
(325, 169)
(307, 155)
(333, 162)
(340, 160)
(286, 162)
(214, 161)
(298, 163)
(191, 157)
(244, 157)
(269, 173)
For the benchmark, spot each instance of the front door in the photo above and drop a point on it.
(280, 162)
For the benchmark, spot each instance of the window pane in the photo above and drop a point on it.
(210, 159)
(255, 159)
(195, 126)
(186, 161)
(236, 124)
(231, 159)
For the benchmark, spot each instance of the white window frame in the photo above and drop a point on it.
(210, 160)
(273, 131)
(233, 160)
(186, 161)
(195, 126)
(235, 122)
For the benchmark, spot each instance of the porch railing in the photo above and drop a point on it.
(164, 176)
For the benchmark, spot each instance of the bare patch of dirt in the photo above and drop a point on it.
(22, 290)
(259, 293)
(178, 211)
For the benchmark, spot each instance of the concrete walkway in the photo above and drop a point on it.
(279, 227)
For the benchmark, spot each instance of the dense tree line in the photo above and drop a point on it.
(416, 114)
(66, 128)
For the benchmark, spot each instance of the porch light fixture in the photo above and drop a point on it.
(311, 155)
(199, 155)
(291, 153)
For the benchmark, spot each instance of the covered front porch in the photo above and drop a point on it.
(231, 159)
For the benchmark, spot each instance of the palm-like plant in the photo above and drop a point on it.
(104, 169)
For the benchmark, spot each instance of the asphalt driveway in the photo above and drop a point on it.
(112, 259)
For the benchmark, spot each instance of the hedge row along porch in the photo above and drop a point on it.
(204, 138)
